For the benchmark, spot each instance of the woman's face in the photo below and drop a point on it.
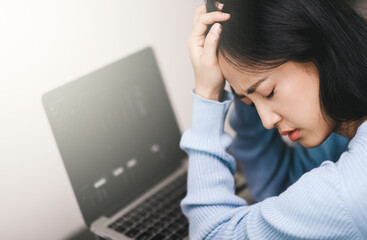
(286, 97)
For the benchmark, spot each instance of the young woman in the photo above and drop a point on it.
(296, 68)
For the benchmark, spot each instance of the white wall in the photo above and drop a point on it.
(44, 44)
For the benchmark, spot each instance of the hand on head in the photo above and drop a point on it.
(203, 52)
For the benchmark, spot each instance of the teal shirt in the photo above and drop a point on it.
(318, 193)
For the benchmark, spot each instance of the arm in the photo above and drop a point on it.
(269, 164)
(311, 208)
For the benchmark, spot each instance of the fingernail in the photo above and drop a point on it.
(220, 6)
(225, 14)
(216, 28)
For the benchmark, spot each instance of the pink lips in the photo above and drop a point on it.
(293, 135)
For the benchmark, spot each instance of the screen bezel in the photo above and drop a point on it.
(138, 60)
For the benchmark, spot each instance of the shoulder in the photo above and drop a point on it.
(351, 170)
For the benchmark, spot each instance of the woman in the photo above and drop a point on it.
(299, 68)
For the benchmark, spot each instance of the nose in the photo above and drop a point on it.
(269, 118)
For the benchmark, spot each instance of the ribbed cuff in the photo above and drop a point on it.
(208, 116)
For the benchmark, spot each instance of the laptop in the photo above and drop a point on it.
(119, 141)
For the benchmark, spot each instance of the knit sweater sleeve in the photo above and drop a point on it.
(269, 164)
(313, 207)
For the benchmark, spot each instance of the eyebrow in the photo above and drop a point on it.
(236, 95)
(252, 89)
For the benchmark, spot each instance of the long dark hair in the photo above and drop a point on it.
(264, 34)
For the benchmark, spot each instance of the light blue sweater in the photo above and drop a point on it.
(298, 198)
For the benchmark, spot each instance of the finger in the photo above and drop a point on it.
(206, 19)
(202, 9)
(220, 6)
(211, 43)
(199, 10)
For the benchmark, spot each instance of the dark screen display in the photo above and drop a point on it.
(116, 133)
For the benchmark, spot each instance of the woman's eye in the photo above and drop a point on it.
(270, 95)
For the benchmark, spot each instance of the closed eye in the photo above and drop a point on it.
(270, 95)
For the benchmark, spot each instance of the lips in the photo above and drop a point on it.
(286, 132)
(293, 134)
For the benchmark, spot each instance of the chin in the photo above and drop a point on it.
(311, 143)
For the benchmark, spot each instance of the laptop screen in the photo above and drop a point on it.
(116, 133)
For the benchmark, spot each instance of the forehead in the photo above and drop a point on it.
(235, 75)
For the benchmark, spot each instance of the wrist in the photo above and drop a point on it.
(210, 94)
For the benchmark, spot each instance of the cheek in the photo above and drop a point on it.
(299, 100)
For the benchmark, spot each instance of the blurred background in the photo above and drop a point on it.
(47, 43)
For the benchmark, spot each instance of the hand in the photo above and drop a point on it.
(202, 49)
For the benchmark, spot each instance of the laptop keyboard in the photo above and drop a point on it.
(159, 217)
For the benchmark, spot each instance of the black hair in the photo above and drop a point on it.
(264, 34)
